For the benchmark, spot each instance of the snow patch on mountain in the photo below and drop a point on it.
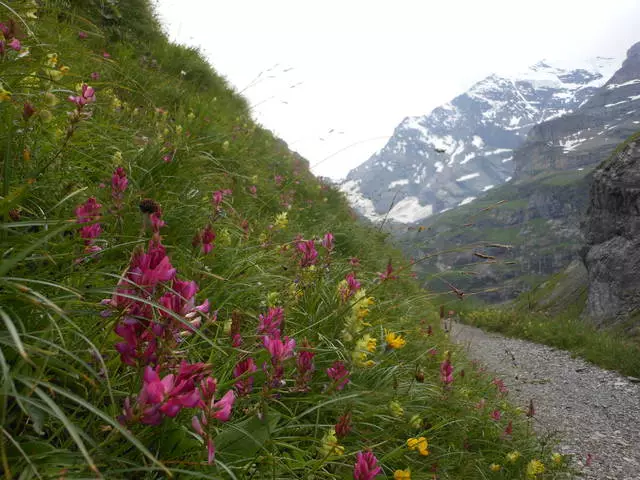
(409, 210)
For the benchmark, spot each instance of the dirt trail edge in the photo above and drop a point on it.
(595, 412)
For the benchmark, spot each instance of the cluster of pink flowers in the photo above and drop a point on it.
(205, 239)
(366, 467)
(446, 372)
(87, 215)
(351, 287)
(87, 95)
(339, 375)
(280, 349)
(9, 39)
(212, 409)
(500, 386)
(308, 253)
(119, 183)
(244, 385)
(218, 197)
(146, 335)
(270, 322)
(305, 367)
(388, 273)
(328, 241)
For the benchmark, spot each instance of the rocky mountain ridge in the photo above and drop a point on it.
(466, 147)
(538, 213)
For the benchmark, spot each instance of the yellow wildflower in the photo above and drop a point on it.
(494, 467)
(223, 238)
(394, 340)
(225, 145)
(64, 69)
(329, 445)
(419, 444)
(513, 456)
(402, 474)
(363, 346)
(273, 299)
(5, 95)
(396, 408)
(281, 220)
(534, 468)
(52, 60)
(557, 458)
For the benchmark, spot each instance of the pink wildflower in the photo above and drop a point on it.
(218, 197)
(95, 76)
(328, 241)
(208, 236)
(343, 427)
(245, 385)
(119, 182)
(388, 273)
(496, 415)
(366, 467)
(106, 55)
(500, 386)
(271, 321)
(15, 44)
(354, 261)
(280, 349)
(88, 211)
(305, 366)
(446, 372)
(309, 253)
(339, 374)
(253, 190)
(87, 95)
(83, 35)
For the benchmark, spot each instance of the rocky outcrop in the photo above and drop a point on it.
(612, 232)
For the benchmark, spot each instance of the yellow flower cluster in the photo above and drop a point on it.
(402, 474)
(329, 445)
(396, 408)
(365, 345)
(513, 457)
(281, 221)
(394, 340)
(419, 444)
(359, 311)
(494, 467)
(534, 468)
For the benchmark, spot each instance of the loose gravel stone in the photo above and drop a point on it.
(594, 412)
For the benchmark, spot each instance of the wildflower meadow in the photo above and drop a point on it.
(181, 298)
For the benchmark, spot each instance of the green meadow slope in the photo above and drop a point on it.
(180, 296)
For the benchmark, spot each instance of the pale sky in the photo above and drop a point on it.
(361, 66)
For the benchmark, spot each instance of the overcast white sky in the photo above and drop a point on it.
(361, 66)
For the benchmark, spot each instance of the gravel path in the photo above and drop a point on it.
(595, 412)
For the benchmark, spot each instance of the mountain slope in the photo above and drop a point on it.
(538, 213)
(181, 298)
(464, 148)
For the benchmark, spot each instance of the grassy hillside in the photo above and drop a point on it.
(180, 297)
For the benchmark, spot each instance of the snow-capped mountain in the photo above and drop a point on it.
(465, 147)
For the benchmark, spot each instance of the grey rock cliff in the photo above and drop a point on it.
(612, 232)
